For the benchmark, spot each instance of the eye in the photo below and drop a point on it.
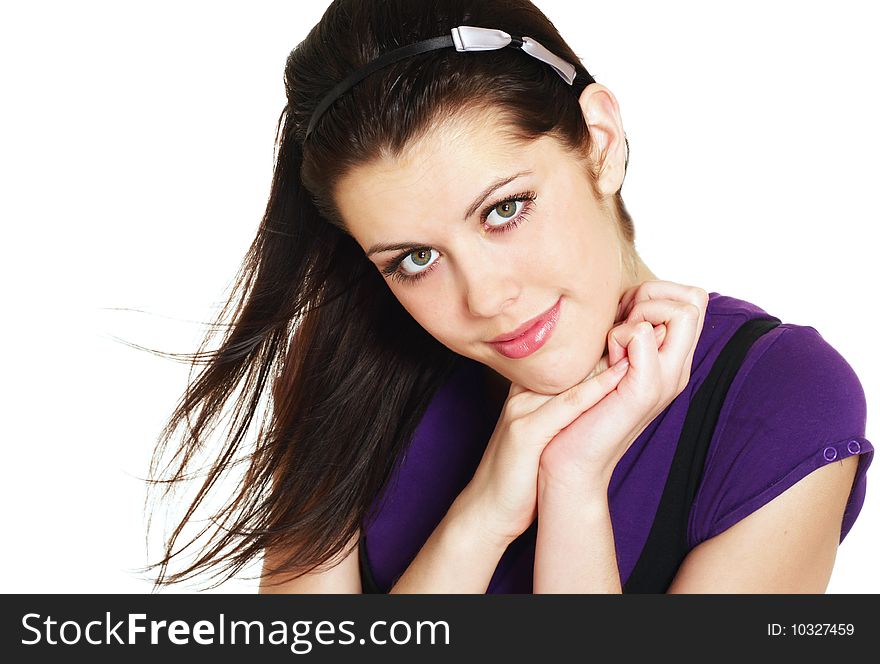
(510, 213)
(420, 259)
(506, 210)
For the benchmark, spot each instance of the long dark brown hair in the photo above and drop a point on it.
(349, 372)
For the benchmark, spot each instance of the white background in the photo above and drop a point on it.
(136, 149)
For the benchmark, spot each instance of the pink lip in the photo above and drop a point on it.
(531, 336)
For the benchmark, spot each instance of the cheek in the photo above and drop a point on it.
(588, 250)
(566, 241)
(433, 309)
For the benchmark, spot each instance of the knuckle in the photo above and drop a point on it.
(613, 337)
(703, 296)
(572, 396)
(634, 310)
(517, 428)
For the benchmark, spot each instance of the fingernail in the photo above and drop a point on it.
(621, 364)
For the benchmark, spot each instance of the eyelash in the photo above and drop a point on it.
(528, 197)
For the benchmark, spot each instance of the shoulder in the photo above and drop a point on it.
(795, 405)
(785, 473)
(794, 371)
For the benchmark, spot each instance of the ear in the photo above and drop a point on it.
(608, 147)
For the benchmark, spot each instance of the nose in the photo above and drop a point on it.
(490, 286)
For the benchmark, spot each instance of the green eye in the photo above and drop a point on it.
(420, 259)
(424, 257)
(506, 209)
(512, 211)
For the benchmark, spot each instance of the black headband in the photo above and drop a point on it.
(463, 38)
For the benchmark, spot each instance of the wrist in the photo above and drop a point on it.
(473, 520)
(562, 485)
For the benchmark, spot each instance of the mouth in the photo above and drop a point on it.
(529, 336)
(525, 327)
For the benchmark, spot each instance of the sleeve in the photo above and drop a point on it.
(794, 406)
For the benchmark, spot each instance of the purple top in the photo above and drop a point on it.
(794, 405)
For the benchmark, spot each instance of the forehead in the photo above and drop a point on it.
(435, 178)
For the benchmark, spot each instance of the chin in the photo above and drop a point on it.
(554, 381)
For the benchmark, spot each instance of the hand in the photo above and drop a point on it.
(586, 452)
(504, 488)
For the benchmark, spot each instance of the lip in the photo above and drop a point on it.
(530, 336)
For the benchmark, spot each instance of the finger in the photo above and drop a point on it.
(603, 364)
(680, 292)
(661, 331)
(626, 301)
(651, 290)
(561, 410)
(645, 368)
(522, 401)
(661, 311)
(529, 400)
(620, 335)
(525, 403)
(681, 319)
(624, 304)
(658, 290)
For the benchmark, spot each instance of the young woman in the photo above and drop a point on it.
(477, 385)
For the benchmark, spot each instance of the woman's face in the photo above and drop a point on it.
(481, 260)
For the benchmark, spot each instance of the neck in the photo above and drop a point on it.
(634, 274)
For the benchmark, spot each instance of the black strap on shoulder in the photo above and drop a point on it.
(666, 545)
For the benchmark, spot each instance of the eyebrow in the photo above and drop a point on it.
(500, 182)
